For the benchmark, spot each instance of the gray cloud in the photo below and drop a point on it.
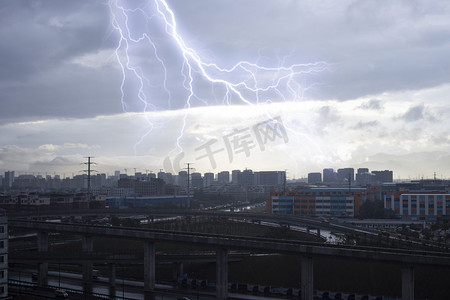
(57, 63)
(416, 113)
(372, 104)
(365, 125)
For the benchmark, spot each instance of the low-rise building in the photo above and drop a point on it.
(418, 205)
(338, 202)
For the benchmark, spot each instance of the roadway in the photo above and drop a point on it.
(332, 226)
(394, 255)
(125, 289)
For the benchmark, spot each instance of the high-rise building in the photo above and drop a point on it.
(384, 176)
(314, 178)
(167, 177)
(196, 180)
(269, 178)
(161, 175)
(8, 180)
(223, 177)
(364, 177)
(345, 175)
(183, 179)
(208, 179)
(247, 178)
(235, 174)
(329, 175)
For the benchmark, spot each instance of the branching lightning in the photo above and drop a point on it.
(145, 82)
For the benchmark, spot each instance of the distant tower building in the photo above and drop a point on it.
(314, 178)
(167, 177)
(269, 178)
(282, 177)
(196, 180)
(162, 175)
(329, 175)
(3, 255)
(364, 177)
(183, 179)
(235, 174)
(208, 179)
(345, 174)
(362, 171)
(8, 180)
(223, 177)
(138, 176)
(117, 174)
(384, 176)
(247, 178)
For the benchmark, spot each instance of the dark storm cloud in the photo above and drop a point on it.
(38, 35)
(373, 46)
(39, 40)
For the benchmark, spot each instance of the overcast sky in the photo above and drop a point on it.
(267, 85)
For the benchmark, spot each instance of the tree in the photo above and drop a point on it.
(375, 210)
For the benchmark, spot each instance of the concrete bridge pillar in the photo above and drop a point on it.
(318, 232)
(408, 283)
(307, 285)
(149, 270)
(307, 230)
(222, 273)
(177, 269)
(112, 281)
(88, 243)
(88, 247)
(42, 241)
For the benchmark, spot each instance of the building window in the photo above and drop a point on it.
(2, 229)
(2, 244)
(2, 259)
(2, 274)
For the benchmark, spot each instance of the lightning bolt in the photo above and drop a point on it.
(153, 25)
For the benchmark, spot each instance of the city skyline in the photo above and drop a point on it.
(325, 175)
(369, 88)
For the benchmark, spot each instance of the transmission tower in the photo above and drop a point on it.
(188, 184)
(89, 163)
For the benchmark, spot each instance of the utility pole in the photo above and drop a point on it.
(188, 184)
(89, 163)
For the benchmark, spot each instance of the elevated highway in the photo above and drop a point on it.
(222, 244)
(312, 225)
